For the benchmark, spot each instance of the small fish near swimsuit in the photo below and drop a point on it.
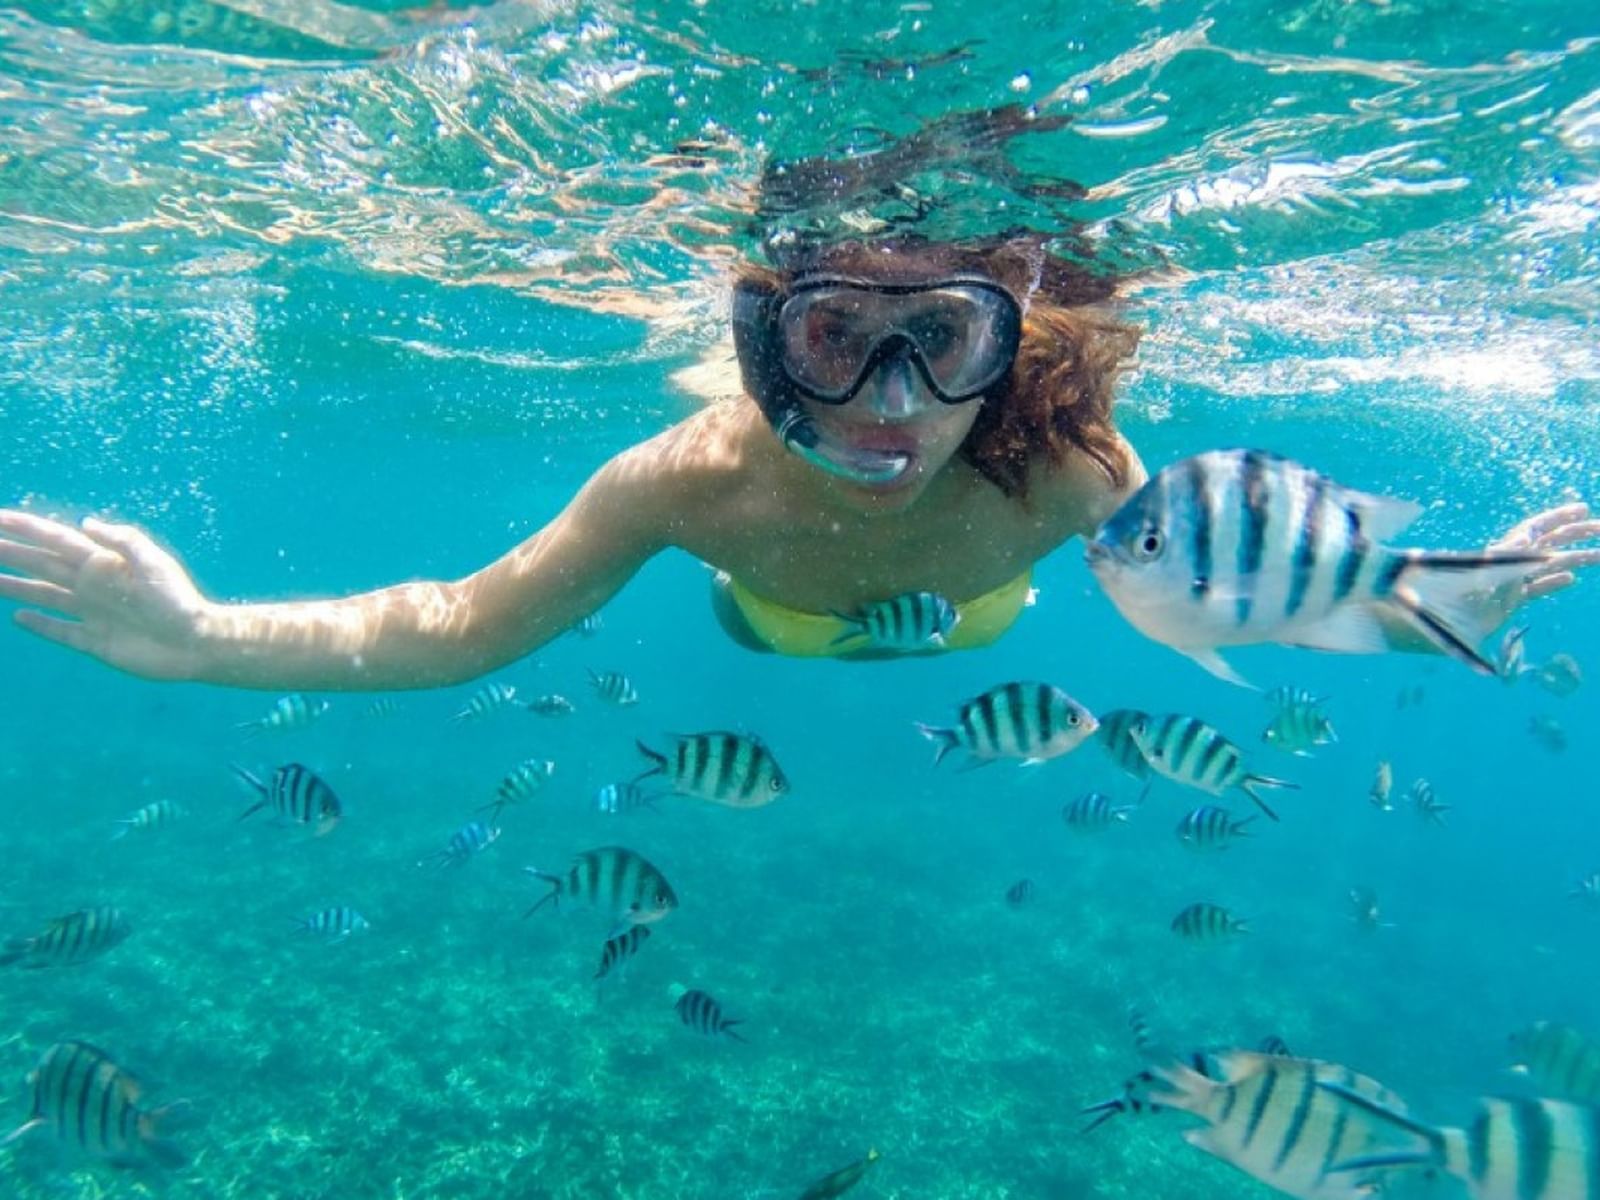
(800, 634)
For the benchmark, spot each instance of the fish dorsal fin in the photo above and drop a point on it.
(1381, 517)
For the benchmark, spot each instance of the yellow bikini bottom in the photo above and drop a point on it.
(813, 635)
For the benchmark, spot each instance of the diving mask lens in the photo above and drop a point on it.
(961, 334)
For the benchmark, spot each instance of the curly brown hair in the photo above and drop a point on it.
(1057, 397)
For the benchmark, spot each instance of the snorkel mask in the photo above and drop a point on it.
(826, 335)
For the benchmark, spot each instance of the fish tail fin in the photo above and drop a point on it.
(153, 1126)
(554, 894)
(658, 761)
(1434, 589)
(249, 778)
(854, 627)
(1248, 786)
(15, 950)
(728, 1028)
(1239, 829)
(945, 740)
(1175, 1084)
(121, 831)
(1102, 1112)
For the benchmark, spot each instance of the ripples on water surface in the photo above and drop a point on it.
(262, 273)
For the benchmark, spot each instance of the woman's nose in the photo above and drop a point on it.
(896, 393)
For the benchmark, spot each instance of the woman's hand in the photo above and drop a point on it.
(1552, 530)
(121, 597)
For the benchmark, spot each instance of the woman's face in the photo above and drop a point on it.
(895, 411)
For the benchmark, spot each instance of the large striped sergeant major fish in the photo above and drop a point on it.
(1030, 721)
(1188, 751)
(732, 769)
(1515, 1149)
(74, 938)
(1234, 547)
(1270, 1116)
(620, 882)
(297, 794)
(92, 1104)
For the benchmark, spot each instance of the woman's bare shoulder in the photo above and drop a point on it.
(700, 467)
(1078, 493)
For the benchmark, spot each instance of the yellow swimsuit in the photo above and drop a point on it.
(813, 635)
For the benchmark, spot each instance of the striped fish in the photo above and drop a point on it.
(488, 699)
(1234, 547)
(618, 951)
(335, 924)
(837, 1183)
(620, 882)
(1382, 787)
(1020, 893)
(1030, 721)
(92, 1104)
(1211, 828)
(296, 793)
(75, 938)
(1513, 1150)
(1561, 675)
(1559, 1061)
(1299, 726)
(1511, 658)
(1270, 1116)
(589, 626)
(1188, 751)
(1587, 889)
(552, 704)
(288, 712)
(521, 784)
(158, 814)
(701, 1013)
(909, 622)
(614, 688)
(1547, 731)
(732, 769)
(470, 840)
(1202, 922)
(621, 797)
(1427, 806)
(381, 708)
(1093, 812)
(1364, 910)
(1119, 745)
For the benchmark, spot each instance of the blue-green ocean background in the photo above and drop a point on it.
(331, 296)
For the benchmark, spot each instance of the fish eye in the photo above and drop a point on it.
(1149, 544)
(776, 783)
(1072, 719)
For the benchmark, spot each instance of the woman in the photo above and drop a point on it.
(919, 416)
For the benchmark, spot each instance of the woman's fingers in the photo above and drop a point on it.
(1546, 584)
(55, 536)
(54, 629)
(40, 593)
(35, 561)
(1569, 532)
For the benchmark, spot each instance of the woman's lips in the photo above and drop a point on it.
(885, 439)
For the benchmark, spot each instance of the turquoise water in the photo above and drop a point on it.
(364, 294)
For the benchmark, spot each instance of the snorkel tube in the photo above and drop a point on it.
(764, 379)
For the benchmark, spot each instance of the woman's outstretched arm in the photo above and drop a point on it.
(110, 591)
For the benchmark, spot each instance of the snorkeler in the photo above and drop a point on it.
(918, 417)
